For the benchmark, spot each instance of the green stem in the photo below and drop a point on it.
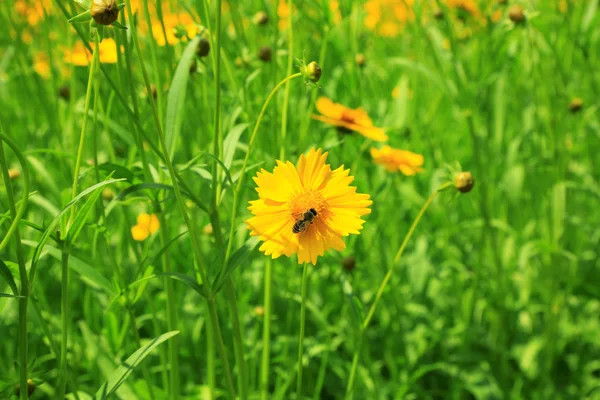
(64, 321)
(302, 325)
(218, 140)
(24, 293)
(286, 97)
(264, 370)
(237, 337)
(212, 308)
(382, 287)
(244, 165)
(86, 109)
(210, 359)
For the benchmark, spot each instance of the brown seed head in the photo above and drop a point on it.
(516, 15)
(104, 12)
(464, 182)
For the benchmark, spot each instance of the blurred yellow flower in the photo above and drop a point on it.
(398, 160)
(41, 65)
(288, 194)
(468, 6)
(146, 224)
(178, 26)
(32, 11)
(283, 14)
(80, 56)
(334, 7)
(354, 119)
(388, 17)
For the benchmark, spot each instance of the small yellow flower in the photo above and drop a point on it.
(468, 6)
(388, 17)
(146, 224)
(41, 65)
(398, 160)
(33, 11)
(174, 23)
(354, 119)
(283, 14)
(287, 194)
(80, 56)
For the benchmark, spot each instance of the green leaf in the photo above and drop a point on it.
(86, 4)
(188, 280)
(83, 17)
(149, 271)
(240, 256)
(119, 25)
(118, 171)
(7, 275)
(123, 371)
(230, 143)
(176, 96)
(12, 296)
(588, 15)
(142, 186)
(81, 217)
(51, 228)
(225, 169)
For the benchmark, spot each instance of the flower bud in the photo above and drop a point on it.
(208, 229)
(261, 18)
(203, 48)
(265, 53)
(259, 311)
(13, 173)
(349, 263)
(576, 105)
(104, 12)
(438, 14)
(107, 194)
(516, 14)
(360, 59)
(64, 92)
(313, 72)
(464, 182)
(30, 388)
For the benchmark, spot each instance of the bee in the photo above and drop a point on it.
(307, 219)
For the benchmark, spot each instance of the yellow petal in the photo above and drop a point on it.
(312, 168)
(139, 232)
(154, 223)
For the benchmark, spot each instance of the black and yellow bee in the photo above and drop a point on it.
(307, 219)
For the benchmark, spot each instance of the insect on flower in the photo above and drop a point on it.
(306, 209)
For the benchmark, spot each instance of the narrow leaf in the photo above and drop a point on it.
(177, 92)
(123, 371)
(240, 256)
(7, 275)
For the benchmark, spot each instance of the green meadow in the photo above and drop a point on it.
(169, 227)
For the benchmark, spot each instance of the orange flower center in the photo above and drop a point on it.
(304, 200)
(347, 116)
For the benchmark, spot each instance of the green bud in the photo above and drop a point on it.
(464, 182)
(313, 72)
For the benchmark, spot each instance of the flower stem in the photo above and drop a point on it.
(382, 287)
(264, 370)
(218, 140)
(302, 325)
(64, 321)
(244, 165)
(24, 293)
(86, 109)
(286, 98)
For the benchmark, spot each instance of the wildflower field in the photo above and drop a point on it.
(285, 199)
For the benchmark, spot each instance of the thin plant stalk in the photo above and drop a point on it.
(266, 339)
(191, 226)
(24, 292)
(302, 326)
(382, 287)
(65, 245)
(286, 96)
(218, 140)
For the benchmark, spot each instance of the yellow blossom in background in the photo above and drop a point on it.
(289, 192)
(80, 56)
(146, 224)
(32, 11)
(283, 15)
(41, 65)
(398, 160)
(388, 17)
(176, 24)
(334, 7)
(354, 119)
(468, 6)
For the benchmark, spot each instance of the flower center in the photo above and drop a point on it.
(348, 117)
(304, 200)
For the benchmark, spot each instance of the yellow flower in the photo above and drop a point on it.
(469, 6)
(344, 117)
(41, 65)
(398, 160)
(388, 17)
(146, 224)
(174, 23)
(80, 56)
(290, 192)
(32, 11)
(334, 7)
(283, 14)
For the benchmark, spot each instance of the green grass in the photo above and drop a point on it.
(496, 295)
